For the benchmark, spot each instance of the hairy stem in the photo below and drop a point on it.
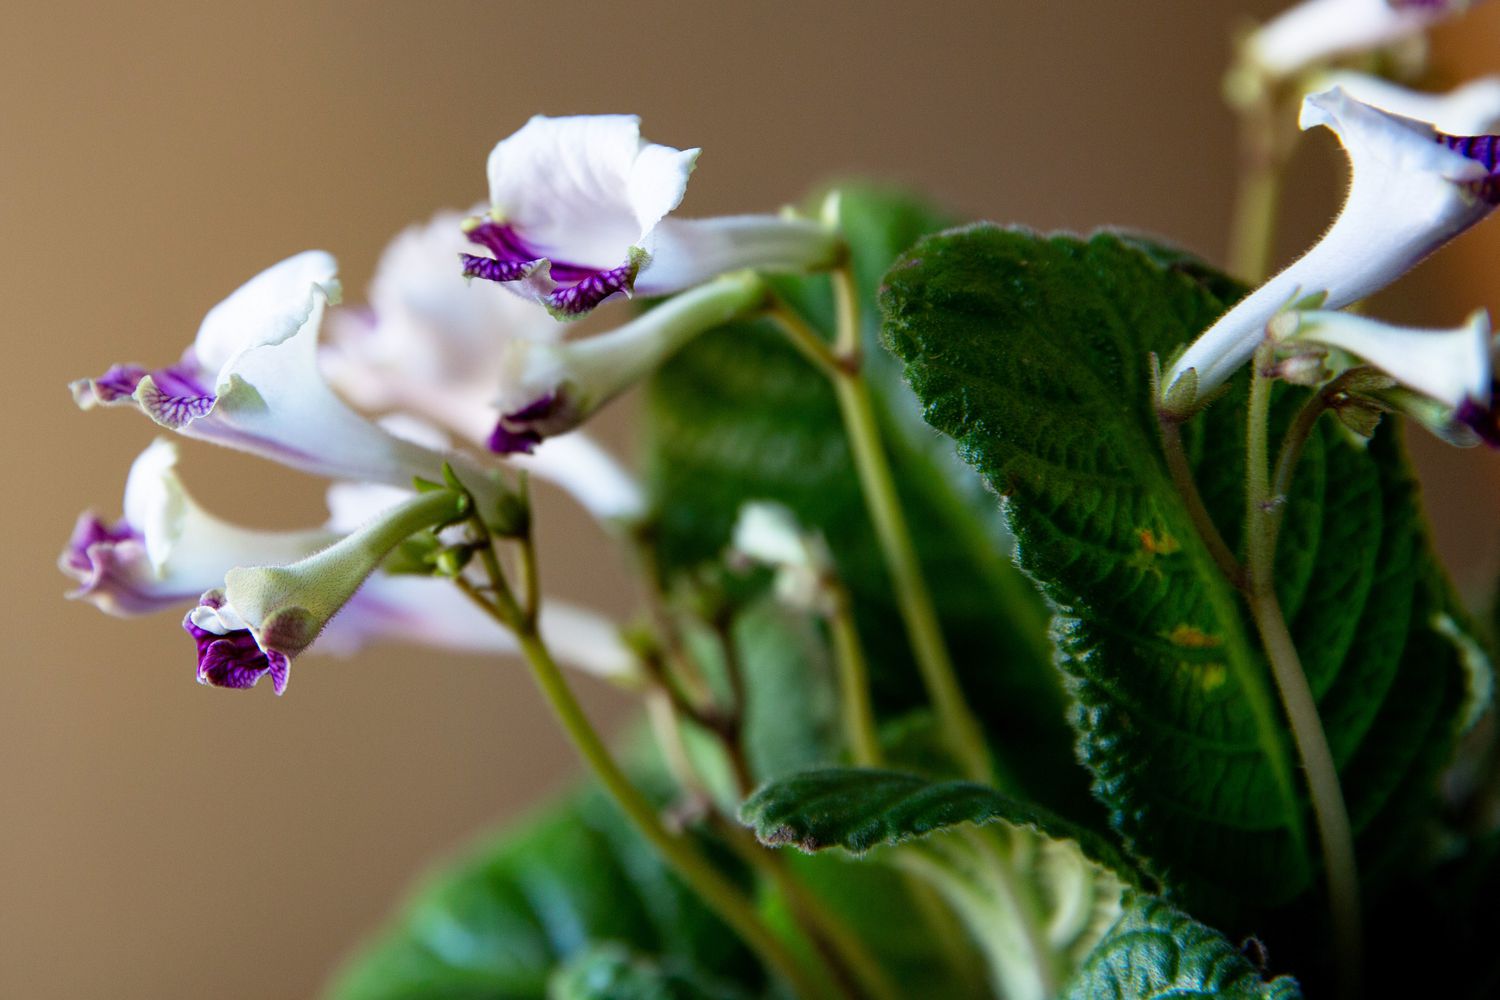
(1262, 515)
(1170, 427)
(854, 683)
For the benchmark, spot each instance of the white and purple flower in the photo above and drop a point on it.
(1445, 377)
(1413, 188)
(1319, 31)
(549, 389)
(167, 549)
(251, 381)
(579, 210)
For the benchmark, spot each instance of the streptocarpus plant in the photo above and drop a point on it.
(1023, 616)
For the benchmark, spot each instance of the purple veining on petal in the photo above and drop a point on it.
(235, 660)
(1481, 419)
(119, 382)
(1485, 150)
(578, 298)
(509, 247)
(491, 269)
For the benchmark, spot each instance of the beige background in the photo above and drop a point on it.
(162, 840)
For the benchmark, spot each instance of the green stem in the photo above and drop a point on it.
(720, 894)
(1253, 233)
(854, 683)
(1330, 813)
(1170, 427)
(845, 949)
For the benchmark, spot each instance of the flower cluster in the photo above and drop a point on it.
(418, 386)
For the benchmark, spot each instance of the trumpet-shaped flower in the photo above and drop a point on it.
(579, 210)
(251, 381)
(1413, 188)
(549, 389)
(265, 615)
(432, 344)
(1467, 110)
(167, 549)
(1449, 368)
(1317, 31)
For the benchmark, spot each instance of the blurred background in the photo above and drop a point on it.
(160, 839)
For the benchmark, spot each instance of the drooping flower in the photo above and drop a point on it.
(549, 389)
(1471, 109)
(265, 615)
(1413, 188)
(167, 549)
(251, 381)
(433, 344)
(1450, 371)
(579, 210)
(1317, 31)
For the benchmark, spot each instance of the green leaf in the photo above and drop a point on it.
(1157, 952)
(495, 926)
(1033, 353)
(739, 416)
(612, 972)
(1034, 891)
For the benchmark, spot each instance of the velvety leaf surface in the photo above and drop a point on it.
(1032, 353)
(739, 415)
(1157, 952)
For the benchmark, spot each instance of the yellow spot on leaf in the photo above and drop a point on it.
(1192, 637)
(1153, 544)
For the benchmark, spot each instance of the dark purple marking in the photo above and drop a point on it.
(235, 660)
(1484, 150)
(579, 298)
(491, 269)
(504, 441)
(1481, 419)
(1435, 5)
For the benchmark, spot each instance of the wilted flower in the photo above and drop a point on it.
(579, 211)
(1413, 188)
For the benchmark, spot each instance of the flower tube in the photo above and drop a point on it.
(1450, 370)
(251, 381)
(265, 615)
(1413, 188)
(549, 389)
(579, 210)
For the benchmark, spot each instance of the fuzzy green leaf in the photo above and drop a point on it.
(739, 416)
(496, 925)
(1157, 952)
(1033, 354)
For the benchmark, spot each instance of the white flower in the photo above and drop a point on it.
(265, 615)
(1451, 368)
(251, 381)
(1317, 31)
(433, 344)
(1471, 109)
(1413, 188)
(579, 211)
(167, 549)
(768, 533)
(549, 389)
